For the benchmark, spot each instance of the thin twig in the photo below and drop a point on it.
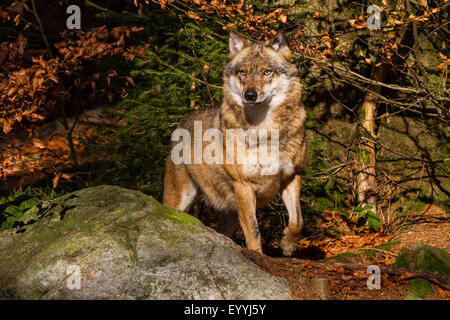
(379, 250)
(41, 29)
(184, 73)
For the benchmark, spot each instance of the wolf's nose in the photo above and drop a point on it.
(250, 95)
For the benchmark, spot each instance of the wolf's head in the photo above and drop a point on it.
(259, 73)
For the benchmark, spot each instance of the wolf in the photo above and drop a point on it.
(261, 91)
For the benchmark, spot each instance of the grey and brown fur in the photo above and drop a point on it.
(264, 68)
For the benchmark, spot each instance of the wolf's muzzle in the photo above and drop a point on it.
(250, 95)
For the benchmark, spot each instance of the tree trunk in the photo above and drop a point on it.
(366, 157)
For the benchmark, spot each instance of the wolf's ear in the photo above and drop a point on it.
(280, 44)
(236, 44)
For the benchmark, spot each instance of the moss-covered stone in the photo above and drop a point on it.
(126, 246)
(420, 287)
(412, 296)
(432, 259)
(402, 260)
(424, 257)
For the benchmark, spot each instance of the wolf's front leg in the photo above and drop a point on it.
(292, 233)
(179, 190)
(246, 203)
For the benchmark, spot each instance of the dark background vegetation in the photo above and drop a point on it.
(97, 106)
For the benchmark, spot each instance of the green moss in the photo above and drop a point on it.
(420, 287)
(176, 216)
(432, 259)
(411, 296)
(402, 260)
(424, 257)
(387, 245)
(370, 253)
(384, 246)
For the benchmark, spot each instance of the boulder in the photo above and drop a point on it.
(426, 258)
(108, 242)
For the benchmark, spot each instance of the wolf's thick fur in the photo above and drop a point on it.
(261, 91)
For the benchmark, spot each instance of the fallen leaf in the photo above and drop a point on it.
(192, 15)
(282, 17)
(55, 181)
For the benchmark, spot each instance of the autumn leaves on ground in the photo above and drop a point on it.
(97, 106)
(371, 249)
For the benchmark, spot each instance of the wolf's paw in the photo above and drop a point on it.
(290, 240)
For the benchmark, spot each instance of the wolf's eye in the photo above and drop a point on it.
(242, 72)
(268, 72)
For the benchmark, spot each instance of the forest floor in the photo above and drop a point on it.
(372, 249)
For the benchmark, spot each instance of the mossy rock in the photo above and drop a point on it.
(124, 245)
(420, 287)
(424, 257)
(411, 296)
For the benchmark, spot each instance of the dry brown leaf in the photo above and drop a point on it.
(55, 181)
(38, 143)
(192, 15)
